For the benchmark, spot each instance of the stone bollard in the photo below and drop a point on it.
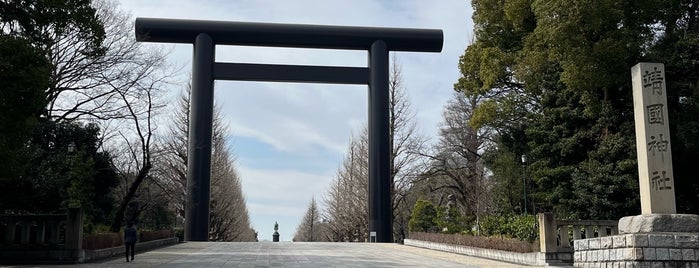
(547, 231)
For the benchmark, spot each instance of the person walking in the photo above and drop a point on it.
(130, 240)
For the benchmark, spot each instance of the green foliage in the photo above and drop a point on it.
(449, 221)
(158, 217)
(24, 73)
(38, 174)
(678, 49)
(42, 21)
(179, 233)
(507, 174)
(522, 227)
(423, 218)
(553, 77)
(57, 178)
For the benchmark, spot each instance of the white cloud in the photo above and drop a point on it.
(282, 185)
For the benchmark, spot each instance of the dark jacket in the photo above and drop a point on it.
(130, 235)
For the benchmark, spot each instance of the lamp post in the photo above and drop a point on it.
(524, 181)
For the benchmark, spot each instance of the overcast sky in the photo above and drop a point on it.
(290, 138)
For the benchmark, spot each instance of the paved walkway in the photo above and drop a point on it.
(288, 254)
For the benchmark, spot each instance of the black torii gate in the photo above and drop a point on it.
(205, 35)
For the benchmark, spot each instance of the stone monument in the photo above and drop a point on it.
(275, 236)
(656, 182)
(659, 237)
(653, 139)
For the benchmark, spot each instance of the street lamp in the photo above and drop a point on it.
(524, 181)
(71, 147)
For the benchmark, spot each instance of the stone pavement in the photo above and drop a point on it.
(288, 254)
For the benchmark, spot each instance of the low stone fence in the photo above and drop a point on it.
(54, 239)
(556, 236)
(41, 238)
(533, 258)
(91, 255)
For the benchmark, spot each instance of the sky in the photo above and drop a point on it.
(290, 138)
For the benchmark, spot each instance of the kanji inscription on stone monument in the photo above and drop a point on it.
(653, 139)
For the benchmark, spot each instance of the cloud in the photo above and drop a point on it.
(282, 185)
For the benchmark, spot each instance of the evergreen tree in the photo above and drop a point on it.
(423, 218)
(554, 78)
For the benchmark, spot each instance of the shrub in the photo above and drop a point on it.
(449, 221)
(103, 240)
(110, 240)
(179, 232)
(423, 217)
(506, 244)
(154, 235)
(522, 227)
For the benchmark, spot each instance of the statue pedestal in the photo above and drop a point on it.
(275, 237)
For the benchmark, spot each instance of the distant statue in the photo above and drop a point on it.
(275, 236)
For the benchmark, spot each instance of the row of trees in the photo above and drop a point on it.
(548, 82)
(418, 172)
(82, 99)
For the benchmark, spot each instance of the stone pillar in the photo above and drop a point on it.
(659, 237)
(547, 228)
(25, 233)
(52, 236)
(10, 232)
(40, 232)
(653, 139)
(74, 229)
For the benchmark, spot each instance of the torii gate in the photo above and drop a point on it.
(205, 35)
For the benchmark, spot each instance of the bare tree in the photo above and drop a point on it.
(455, 166)
(346, 211)
(141, 106)
(85, 86)
(311, 228)
(346, 203)
(406, 143)
(229, 218)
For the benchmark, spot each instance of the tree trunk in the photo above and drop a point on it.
(119, 217)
